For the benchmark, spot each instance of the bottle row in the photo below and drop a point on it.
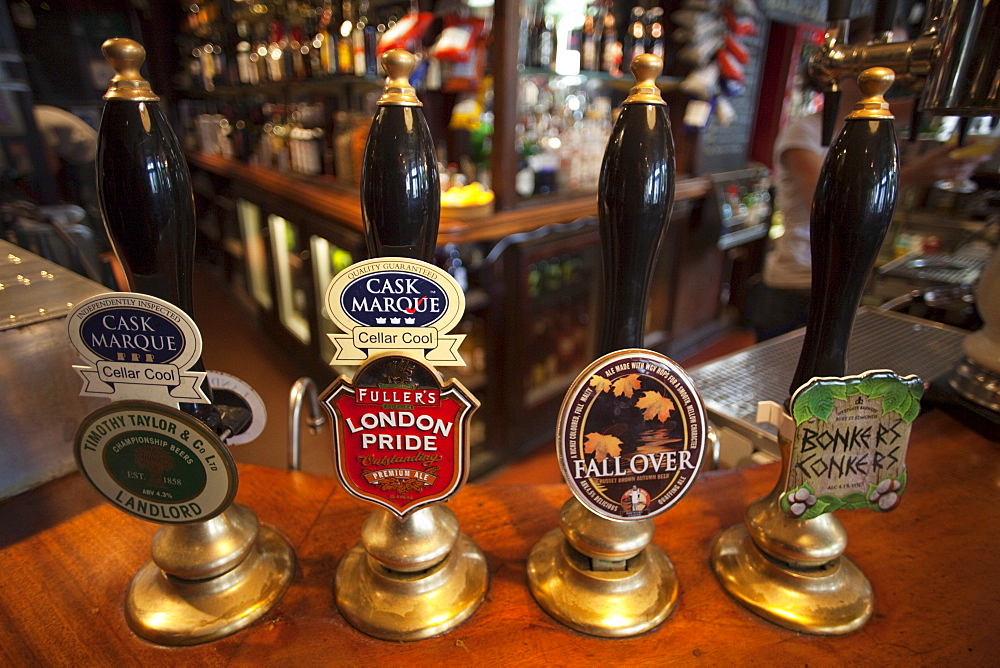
(588, 38)
(560, 136)
(289, 40)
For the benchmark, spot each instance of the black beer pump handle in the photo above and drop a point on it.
(634, 199)
(851, 212)
(145, 194)
(400, 187)
(144, 186)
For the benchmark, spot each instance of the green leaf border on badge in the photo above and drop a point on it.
(830, 502)
(899, 394)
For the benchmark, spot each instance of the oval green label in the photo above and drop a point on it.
(155, 467)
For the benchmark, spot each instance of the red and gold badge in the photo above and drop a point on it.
(402, 434)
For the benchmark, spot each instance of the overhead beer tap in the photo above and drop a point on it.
(786, 561)
(631, 430)
(214, 569)
(401, 431)
(951, 65)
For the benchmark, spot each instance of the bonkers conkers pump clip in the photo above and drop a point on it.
(842, 438)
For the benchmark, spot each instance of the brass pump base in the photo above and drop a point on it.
(411, 579)
(832, 599)
(611, 604)
(792, 572)
(209, 579)
(602, 602)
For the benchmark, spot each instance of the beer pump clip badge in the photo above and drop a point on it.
(849, 446)
(155, 462)
(137, 347)
(631, 435)
(401, 435)
(396, 304)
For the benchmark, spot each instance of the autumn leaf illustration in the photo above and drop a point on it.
(655, 405)
(600, 384)
(602, 445)
(626, 385)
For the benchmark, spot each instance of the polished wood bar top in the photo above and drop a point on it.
(66, 559)
(329, 198)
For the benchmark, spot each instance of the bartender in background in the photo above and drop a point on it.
(780, 303)
(71, 148)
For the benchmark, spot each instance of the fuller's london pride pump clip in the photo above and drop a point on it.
(136, 347)
(631, 435)
(401, 435)
(155, 462)
(396, 304)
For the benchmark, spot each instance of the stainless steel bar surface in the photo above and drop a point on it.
(732, 385)
(40, 402)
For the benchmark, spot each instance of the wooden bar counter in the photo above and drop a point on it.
(339, 203)
(66, 559)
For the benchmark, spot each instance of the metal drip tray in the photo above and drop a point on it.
(935, 269)
(731, 386)
(40, 402)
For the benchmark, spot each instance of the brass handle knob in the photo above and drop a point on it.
(399, 65)
(127, 56)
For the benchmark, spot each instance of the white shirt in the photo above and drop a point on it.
(67, 135)
(789, 264)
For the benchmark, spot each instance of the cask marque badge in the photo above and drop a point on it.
(396, 304)
(631, 435)
(136, 347)
(402, 435)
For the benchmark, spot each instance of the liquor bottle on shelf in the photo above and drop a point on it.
(541, 40)
(259, 51)
(546, 41)
(611, 48)
(275, 53)
(590, 38)
(290, 54)
(311, 46)
(294, 51)
(245, 66)
(370, 39)
(635, 35)
(531, 36)
(654, 32)
(327, 38)
(358, 44)
(345, 42)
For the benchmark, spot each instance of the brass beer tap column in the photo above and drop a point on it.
(214, 568)
(401, 432)
(789, 570)
(622, 423)
(951, 65)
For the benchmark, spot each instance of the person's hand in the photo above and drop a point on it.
(944, 163)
